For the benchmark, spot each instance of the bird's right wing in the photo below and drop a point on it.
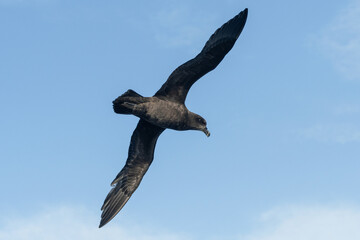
(219, 44)
(141, 154)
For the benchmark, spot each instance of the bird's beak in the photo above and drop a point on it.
(206, 131)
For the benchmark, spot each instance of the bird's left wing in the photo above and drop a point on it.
(220, 43)
(141, 154)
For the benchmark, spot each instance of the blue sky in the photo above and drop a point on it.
(283, 109)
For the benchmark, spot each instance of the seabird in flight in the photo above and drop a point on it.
(166, 109)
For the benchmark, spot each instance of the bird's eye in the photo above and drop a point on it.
(202, 121)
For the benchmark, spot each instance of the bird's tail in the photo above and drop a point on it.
(126, 102)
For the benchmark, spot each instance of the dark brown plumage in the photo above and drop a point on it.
(165, 109)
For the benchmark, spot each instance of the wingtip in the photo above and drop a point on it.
(245, 12)
(102, 223)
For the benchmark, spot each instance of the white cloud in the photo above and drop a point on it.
(308, 223)
(341, 41)
(74, 223)
(338, 133)
(283, 223)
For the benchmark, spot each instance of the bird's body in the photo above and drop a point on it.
(166, 109)
(162, 113)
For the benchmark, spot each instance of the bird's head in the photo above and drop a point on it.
(199, 123)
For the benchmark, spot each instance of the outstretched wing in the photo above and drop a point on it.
(141, 154)
(215, 49)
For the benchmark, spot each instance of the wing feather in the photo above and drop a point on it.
(219, 44)
(141, 154)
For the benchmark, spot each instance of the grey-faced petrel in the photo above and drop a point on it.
(166, 109)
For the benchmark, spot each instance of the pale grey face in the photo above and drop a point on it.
(201, 121)
(200, 124)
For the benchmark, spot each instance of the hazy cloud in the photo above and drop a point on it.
(179, 26)
(74, 223)
(284, 223)
(340, 41)
(17, 2)
(310, 223)
(338, 133)
(347, 109)
(342, 125)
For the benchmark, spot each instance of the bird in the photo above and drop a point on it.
(166, 109)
